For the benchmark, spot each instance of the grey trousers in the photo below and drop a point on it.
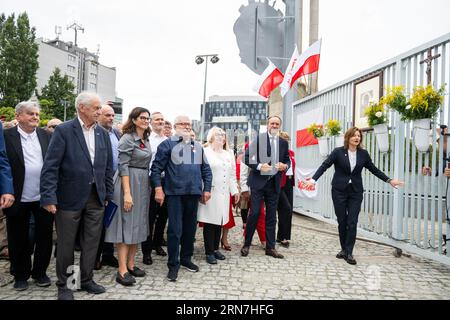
(90, 221)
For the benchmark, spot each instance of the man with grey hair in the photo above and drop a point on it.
(26, 146)
(188, 179)
(76, 184)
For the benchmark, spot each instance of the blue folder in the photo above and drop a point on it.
(110, 211)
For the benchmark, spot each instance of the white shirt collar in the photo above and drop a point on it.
(26, 135)
(153, 134)
(84, 126)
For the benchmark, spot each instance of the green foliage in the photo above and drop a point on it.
(18, 59)
(424, 103)
(8, 113)
(333, 127)
(58, 91)
(375, 113)
(316, 130)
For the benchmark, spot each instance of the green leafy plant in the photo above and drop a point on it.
(333, 127)
(316, 130)
(425, 102)
(376, 113)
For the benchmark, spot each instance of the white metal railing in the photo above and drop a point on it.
(414, 217)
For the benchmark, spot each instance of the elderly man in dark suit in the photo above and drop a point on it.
(26, 146)
(188, 179)
(76, 183)
(268, 156)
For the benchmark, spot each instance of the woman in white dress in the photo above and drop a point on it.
(215, 213)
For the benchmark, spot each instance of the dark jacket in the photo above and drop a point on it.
(14, 151)
(186, 169)
(68, 172)
(254, 156)
(6, 185)
(342, 175)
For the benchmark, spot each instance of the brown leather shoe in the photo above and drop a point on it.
(274, 253)
(245, 250)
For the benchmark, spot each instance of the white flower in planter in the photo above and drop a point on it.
(379, 114)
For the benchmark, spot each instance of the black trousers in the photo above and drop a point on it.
(19, 243)
(285, 205)
(347, 206)
(270, 196)
(157, 224)
(211, 237)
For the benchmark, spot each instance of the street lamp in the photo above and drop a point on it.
(199, 60)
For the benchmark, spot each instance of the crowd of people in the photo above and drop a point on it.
(62, 177)
(155, 177)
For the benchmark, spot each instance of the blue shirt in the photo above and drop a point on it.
(115, 149)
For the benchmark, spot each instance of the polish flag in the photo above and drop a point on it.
(304, 120)
(269, 80)
(301, 65)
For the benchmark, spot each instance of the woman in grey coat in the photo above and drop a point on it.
(130, 225)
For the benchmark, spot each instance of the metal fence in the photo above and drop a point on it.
(413, 218)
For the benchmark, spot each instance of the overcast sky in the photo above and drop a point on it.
(153, 44)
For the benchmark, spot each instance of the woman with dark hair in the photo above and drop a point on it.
(347, 188)
(130, 225)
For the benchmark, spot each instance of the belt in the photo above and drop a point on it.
(143, 168)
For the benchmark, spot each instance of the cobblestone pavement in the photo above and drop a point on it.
(309, 271)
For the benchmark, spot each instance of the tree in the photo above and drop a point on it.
(7, 113)
(18, 59)
(58, 91)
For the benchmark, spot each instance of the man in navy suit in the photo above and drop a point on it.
(188, 179)
(76, 184)
(267, 157)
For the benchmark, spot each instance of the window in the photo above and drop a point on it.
(72, 58)
(71, 78)
(70, 68)
(92, 86)
(93, 76)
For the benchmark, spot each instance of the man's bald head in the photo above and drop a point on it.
(106, 118)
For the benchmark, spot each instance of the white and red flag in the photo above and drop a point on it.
(269, 80)
(301, 65)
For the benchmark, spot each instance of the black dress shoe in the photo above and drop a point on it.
(274, 253)
(92, 287)
(110, 261)
(284, 244)
(125, 280)
(136, 272)
(147, 259)
(341, 255)
(350, 259)
(65, 294)
(245, 250)
(160, 251)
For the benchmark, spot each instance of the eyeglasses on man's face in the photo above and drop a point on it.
(183, 124)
